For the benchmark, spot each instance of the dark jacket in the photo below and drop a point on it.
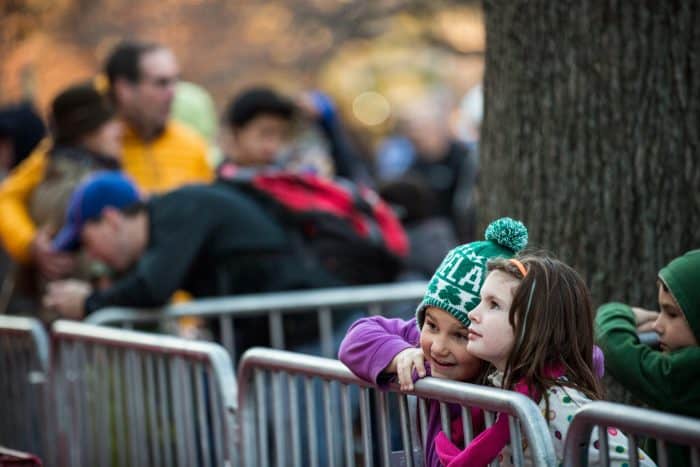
(209, 241)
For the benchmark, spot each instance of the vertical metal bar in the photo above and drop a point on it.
(103, 408)
(330, 438)
(405, 434)
(20, 404)
(261, 405)
(28, 400)
(7, 370)
(188, 411)
(165, 422)
(423, 416)
(366, 427)
(154, 429)
(416, 442)
(14, 391)
(62, 402)
(178, 416)
(695, 456)
(662, 451)
(278, 415)
(137, 383)
(217, 421)
(489, 418)
(93, 382)
(293, 398)
(57, 410)
(311, 420)
(347, 425)
(119, 413)
(467, 425)
(634, 454)
(604, 446)
(73, 409)
(516, 442)
(202, 425)
(78, 372)
(276, 329)
(445, 420)
(228, 336)
(325, 327)
(247, 424)
(35, 381)
(385, 449)
(132, 410)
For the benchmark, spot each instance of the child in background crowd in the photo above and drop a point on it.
(662, 379)
(433, 343)
(535, 326)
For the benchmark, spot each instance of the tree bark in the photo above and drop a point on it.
(591, 133)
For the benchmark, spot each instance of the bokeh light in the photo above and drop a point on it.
(371, 108)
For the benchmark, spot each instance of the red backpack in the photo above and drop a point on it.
(348, 228)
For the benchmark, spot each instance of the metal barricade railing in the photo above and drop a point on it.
(131, 398)
(24, 366)
(372, 299)
(302, 435)
(635, 422)
(12, 457)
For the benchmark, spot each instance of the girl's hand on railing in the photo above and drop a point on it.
(404, 364)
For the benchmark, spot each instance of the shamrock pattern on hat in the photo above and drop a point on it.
(459, 278)
(456, 284)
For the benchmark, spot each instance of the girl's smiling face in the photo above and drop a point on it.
(491, 336)
(443, 340)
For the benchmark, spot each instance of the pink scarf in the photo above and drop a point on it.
(485, 447)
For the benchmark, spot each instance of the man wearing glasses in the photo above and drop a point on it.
(158, 153)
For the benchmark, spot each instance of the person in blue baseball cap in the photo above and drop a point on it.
(209, 240)
(104, 192)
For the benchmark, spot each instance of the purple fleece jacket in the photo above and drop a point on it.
(371, 344)
(368, 348)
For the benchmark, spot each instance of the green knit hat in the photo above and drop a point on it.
(682, 277)
(456, 284)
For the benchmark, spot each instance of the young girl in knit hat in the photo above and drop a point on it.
(434, 343)
(534, 324)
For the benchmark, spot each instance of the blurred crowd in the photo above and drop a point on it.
(94, 201)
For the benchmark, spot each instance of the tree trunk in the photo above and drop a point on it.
(591, 134)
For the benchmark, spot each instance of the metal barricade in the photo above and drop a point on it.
(11, 457)
(131, 398)
(24, 366)
(296, 436)
(372, 299)
(634, 421)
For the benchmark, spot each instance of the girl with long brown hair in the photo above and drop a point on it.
(534, 324)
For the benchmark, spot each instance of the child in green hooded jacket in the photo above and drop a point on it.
(667, 379)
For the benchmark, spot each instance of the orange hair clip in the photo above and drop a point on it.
(519, 265)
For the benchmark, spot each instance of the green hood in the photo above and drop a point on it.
(682, 277)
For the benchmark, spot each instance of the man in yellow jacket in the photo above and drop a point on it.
(158, 153)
